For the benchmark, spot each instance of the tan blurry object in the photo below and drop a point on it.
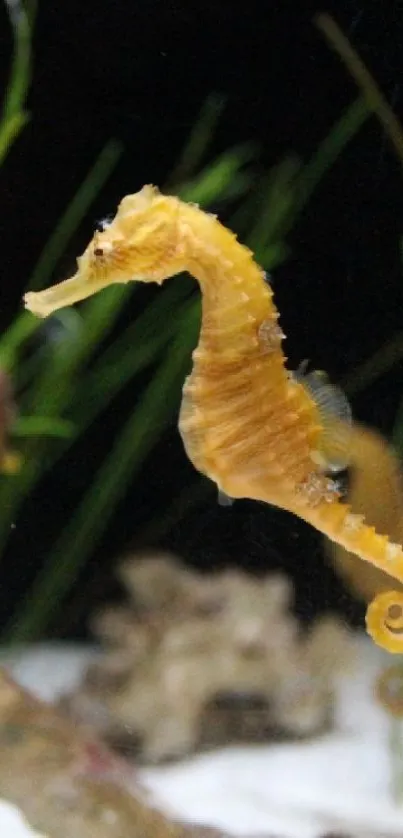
(376, 491)
(10, 460)
(221, 660)
(67, 783)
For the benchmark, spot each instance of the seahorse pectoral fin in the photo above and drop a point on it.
(335, 446)
(336, 418)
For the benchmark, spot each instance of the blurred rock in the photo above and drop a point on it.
(197, 661)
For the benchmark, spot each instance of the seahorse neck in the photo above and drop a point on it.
(236, 298)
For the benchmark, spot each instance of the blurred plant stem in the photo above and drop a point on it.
(127, 454)
(14, 116)
(391, 352)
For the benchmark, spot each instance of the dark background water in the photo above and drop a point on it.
(140, 72)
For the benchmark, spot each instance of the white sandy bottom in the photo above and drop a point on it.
(13, 823)
(338, 782)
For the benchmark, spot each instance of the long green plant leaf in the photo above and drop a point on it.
(137, 348)
(74, 214)
(14, 116)
(91, 517)
(198, 142)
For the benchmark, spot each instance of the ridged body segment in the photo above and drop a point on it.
(243, 420)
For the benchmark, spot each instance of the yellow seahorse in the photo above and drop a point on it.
(245, 421)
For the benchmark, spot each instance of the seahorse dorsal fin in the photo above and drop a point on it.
(336, 418)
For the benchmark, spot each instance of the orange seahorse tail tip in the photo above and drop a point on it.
(384, 621)
(384, 618)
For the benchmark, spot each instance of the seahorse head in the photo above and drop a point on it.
(141, 242)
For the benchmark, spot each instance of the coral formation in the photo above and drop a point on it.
(196, 660)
